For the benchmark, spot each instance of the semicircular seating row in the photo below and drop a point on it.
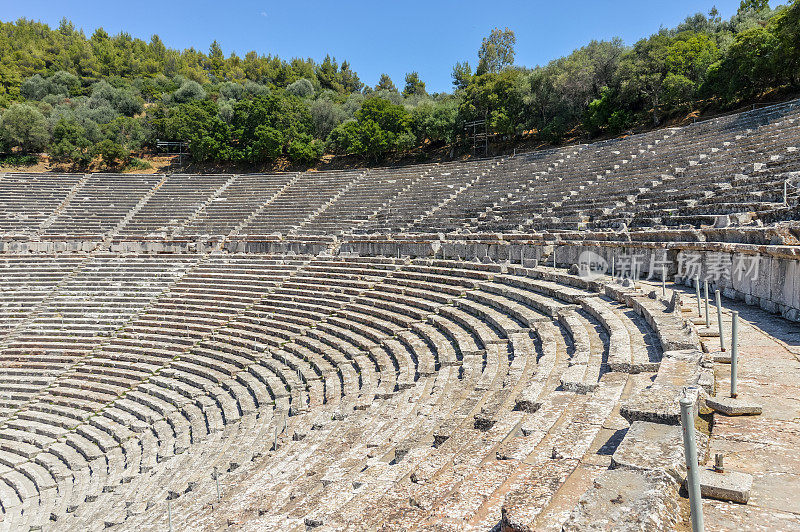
(324, 380)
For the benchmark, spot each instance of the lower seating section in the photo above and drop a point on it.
(82, 309)
(352, 391)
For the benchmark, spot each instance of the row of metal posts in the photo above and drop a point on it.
(687, 407)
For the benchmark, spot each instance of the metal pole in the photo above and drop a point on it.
(613, 266)
(692, 469)
(734, 351)
(697, 289)
(719, 320)
(705, 295)
(169, 515)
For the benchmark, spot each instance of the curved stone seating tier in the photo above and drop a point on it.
(179, 198)
(102, 203)
(348, 389)
(27, 201)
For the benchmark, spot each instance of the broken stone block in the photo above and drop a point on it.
(733, 486)
(733, 407)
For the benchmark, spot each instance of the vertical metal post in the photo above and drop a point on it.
(169, 515)
(554, 256)
(719, 320)
(734, 352)
(613, 266)
(697, 289)
(705, 295)
(692, 468)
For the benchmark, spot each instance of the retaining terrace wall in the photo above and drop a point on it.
(774, 286)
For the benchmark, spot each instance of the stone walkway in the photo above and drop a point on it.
(766, 446)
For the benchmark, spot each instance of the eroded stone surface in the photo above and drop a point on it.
(658, 403)
(628, 500)
(655, 446)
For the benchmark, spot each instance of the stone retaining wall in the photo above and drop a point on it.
(775, 286)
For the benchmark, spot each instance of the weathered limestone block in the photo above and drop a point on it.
(627, 500)
(658, 403)
(655, 446)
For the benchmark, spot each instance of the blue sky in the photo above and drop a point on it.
(392, 37)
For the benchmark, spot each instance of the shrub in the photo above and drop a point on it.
(189, 90)
(302, 88)
(112, 153)
(138, 164)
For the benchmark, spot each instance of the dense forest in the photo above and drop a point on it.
(103, 99)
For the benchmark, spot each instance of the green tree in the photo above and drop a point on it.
(644, 70)
(436, 122)
(497, 51)
(23, 126)
(462, 74)
(379, 127)
(753, 5)
(325, 116)
(414, 85)
(498, 98)
(70, 143)
(385, 84)
(198, 123)
(302, 88)
(112, 153)
(266, 127)
(189, 90)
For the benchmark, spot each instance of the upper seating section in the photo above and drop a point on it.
(302, 199)
(101, 203)
(241, 198)
(693, 176)
(173, 202)
(28, 200)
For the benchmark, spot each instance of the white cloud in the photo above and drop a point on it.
(263, 13)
